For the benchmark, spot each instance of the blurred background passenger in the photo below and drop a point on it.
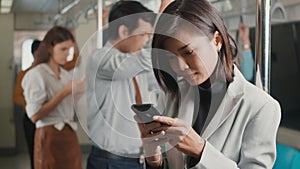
(116, 78)
(246, 60)
(29, 127)
(47, 90)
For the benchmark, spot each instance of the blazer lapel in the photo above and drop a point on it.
(229, 105)
(189, 108)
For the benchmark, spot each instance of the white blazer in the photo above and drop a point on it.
(242, 133)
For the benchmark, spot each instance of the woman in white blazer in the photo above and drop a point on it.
(213, 118)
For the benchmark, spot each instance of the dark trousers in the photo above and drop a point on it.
(29, 130)
(97, 160)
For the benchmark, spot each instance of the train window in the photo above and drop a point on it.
(285, 71)
(71, 54)
(27, 57)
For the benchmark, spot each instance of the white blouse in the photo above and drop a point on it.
(40, 85)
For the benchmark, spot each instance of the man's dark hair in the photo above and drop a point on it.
(35, 45)
(125, 8)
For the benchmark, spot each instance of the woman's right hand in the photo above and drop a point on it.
(152, 138)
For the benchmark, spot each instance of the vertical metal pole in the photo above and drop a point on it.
(99, 30)
(263, 43)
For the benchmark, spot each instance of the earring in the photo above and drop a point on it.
(219, 48)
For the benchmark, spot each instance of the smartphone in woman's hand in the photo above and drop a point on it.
(145, 112)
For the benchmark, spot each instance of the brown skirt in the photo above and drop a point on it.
(54, 149)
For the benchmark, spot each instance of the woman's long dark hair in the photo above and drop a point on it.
(55, 35)
(203, 16)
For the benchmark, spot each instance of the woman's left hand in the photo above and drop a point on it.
(78, 89)
(182, 135)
